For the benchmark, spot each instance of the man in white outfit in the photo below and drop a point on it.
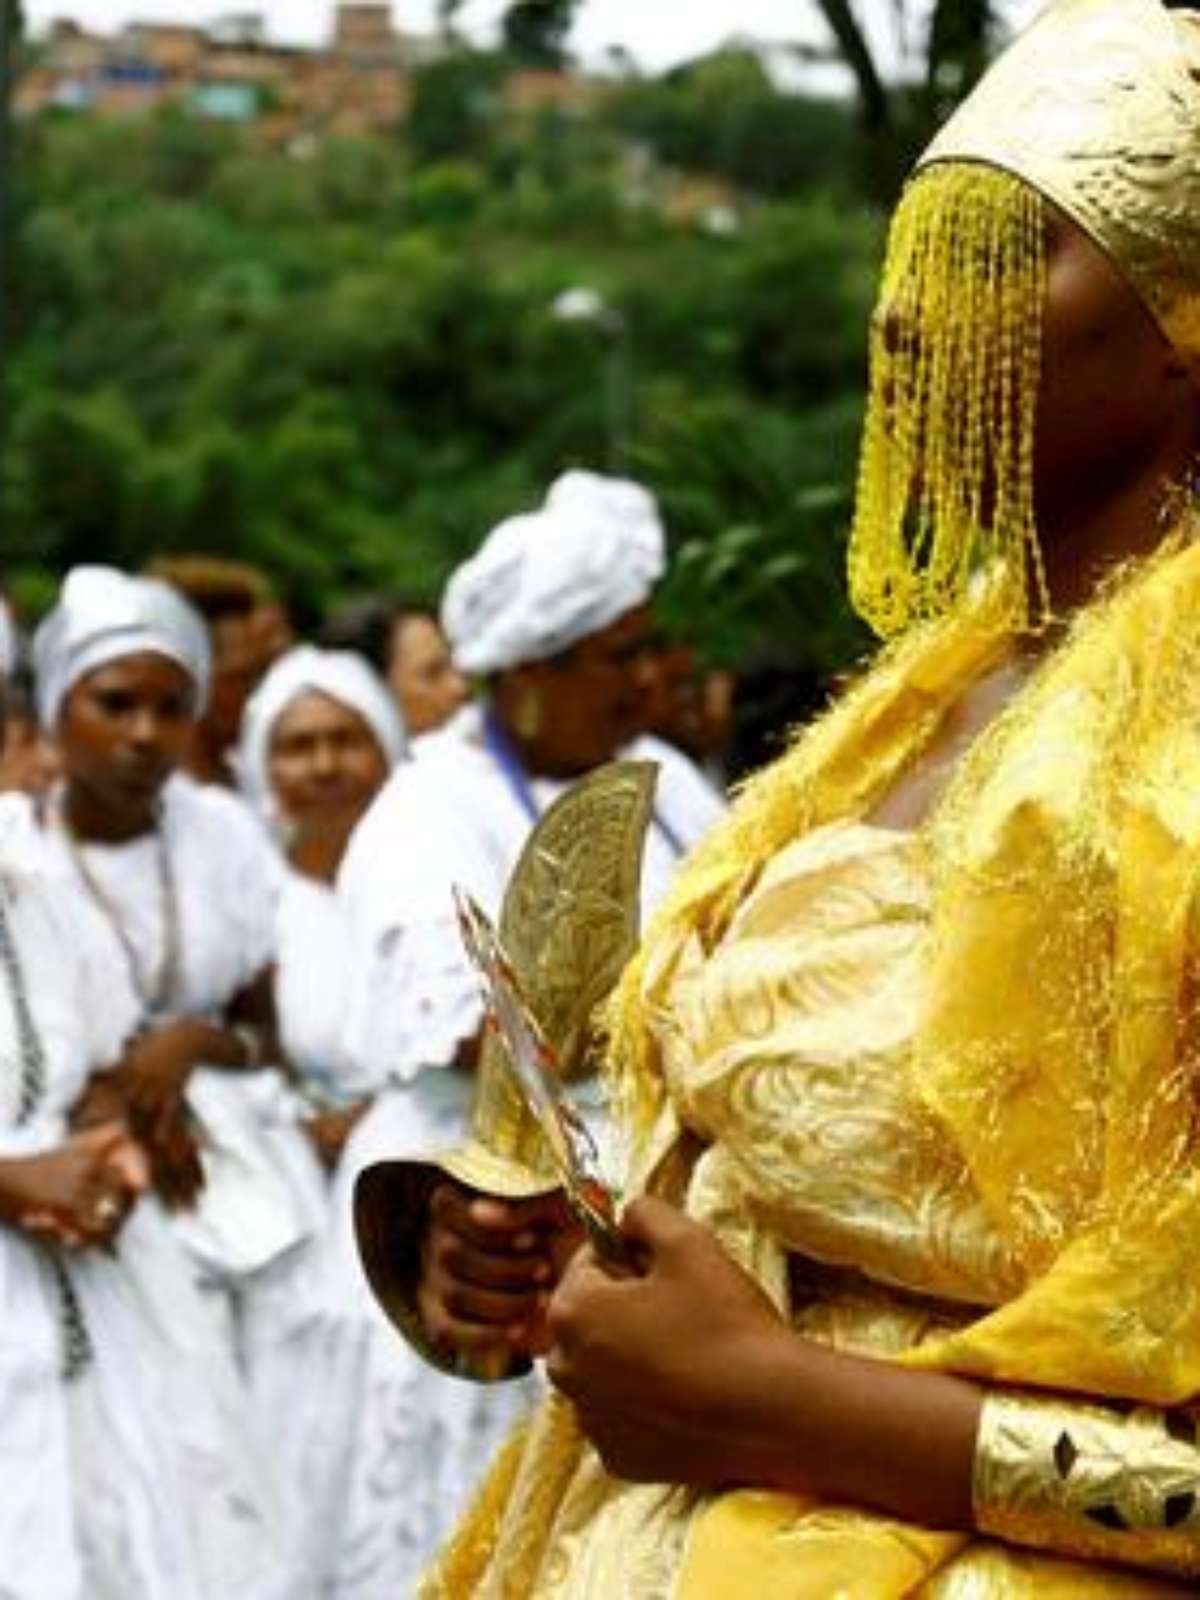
(551, 617)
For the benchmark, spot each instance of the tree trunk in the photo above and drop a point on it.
(874, 102)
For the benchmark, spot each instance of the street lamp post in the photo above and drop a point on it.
(587, 305)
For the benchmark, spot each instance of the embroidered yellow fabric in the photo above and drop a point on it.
(944, 1087)
(938, 1094)
(1044, 1476)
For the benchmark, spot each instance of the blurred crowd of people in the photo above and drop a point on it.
(234, 979)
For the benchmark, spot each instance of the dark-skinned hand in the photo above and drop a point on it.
(79, 1195)
(671, 1369)
(488, 1269)
(152, 1074)
(152, 1078)
(177, 1173)
(101, 1102)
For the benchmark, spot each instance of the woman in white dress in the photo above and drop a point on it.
(178, 886)
(126, 1472)
(319, 737)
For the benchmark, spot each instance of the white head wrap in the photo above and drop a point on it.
(541, 583)
(339, 674)
(625, 501)
(104, 615)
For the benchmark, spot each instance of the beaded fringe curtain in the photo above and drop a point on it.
(945, 487)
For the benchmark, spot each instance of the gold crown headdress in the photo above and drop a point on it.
(1096, 107)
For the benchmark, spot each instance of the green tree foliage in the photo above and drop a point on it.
(456, 105)
(535, 31)
(722, 115)
(342, 362)
(12, 24)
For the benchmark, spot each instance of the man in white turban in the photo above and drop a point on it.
(542, 582)
(551, 617)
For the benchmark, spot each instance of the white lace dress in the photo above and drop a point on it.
(255, 1237)
(312, 984)
(135, 1477)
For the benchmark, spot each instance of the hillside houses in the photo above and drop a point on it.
(359, 81)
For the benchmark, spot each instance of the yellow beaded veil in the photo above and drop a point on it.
(1095, 109)
(945, 482)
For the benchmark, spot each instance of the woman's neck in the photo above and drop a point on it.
(1083, 540)
(95, 820)
(316, 851)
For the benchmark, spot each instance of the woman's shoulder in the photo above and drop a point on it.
(18, 825)
(193, 805)
(681, 782)
(457, 746)
(217, 830)
(449, 773)
(26, 855)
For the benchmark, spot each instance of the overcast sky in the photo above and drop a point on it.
(657, 32)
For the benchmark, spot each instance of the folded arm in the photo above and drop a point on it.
(753, 1404)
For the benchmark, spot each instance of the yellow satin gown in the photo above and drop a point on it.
(935, 1091)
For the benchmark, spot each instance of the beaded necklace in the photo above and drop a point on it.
(29, 1041)
(156, 989)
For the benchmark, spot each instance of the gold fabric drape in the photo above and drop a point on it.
(943, 1090)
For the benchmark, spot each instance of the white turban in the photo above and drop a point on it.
(103, 616)
(622, 499)
(541, 583)
(339, 674)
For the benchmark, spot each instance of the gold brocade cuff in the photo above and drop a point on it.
(1084, 1481)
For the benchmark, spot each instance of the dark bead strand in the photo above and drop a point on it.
(33, 1057)
(77, 1344)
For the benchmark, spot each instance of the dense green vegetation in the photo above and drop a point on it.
(342, 361)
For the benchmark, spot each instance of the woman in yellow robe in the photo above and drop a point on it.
(911, 1055)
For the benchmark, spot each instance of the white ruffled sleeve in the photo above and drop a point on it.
(413, 997)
